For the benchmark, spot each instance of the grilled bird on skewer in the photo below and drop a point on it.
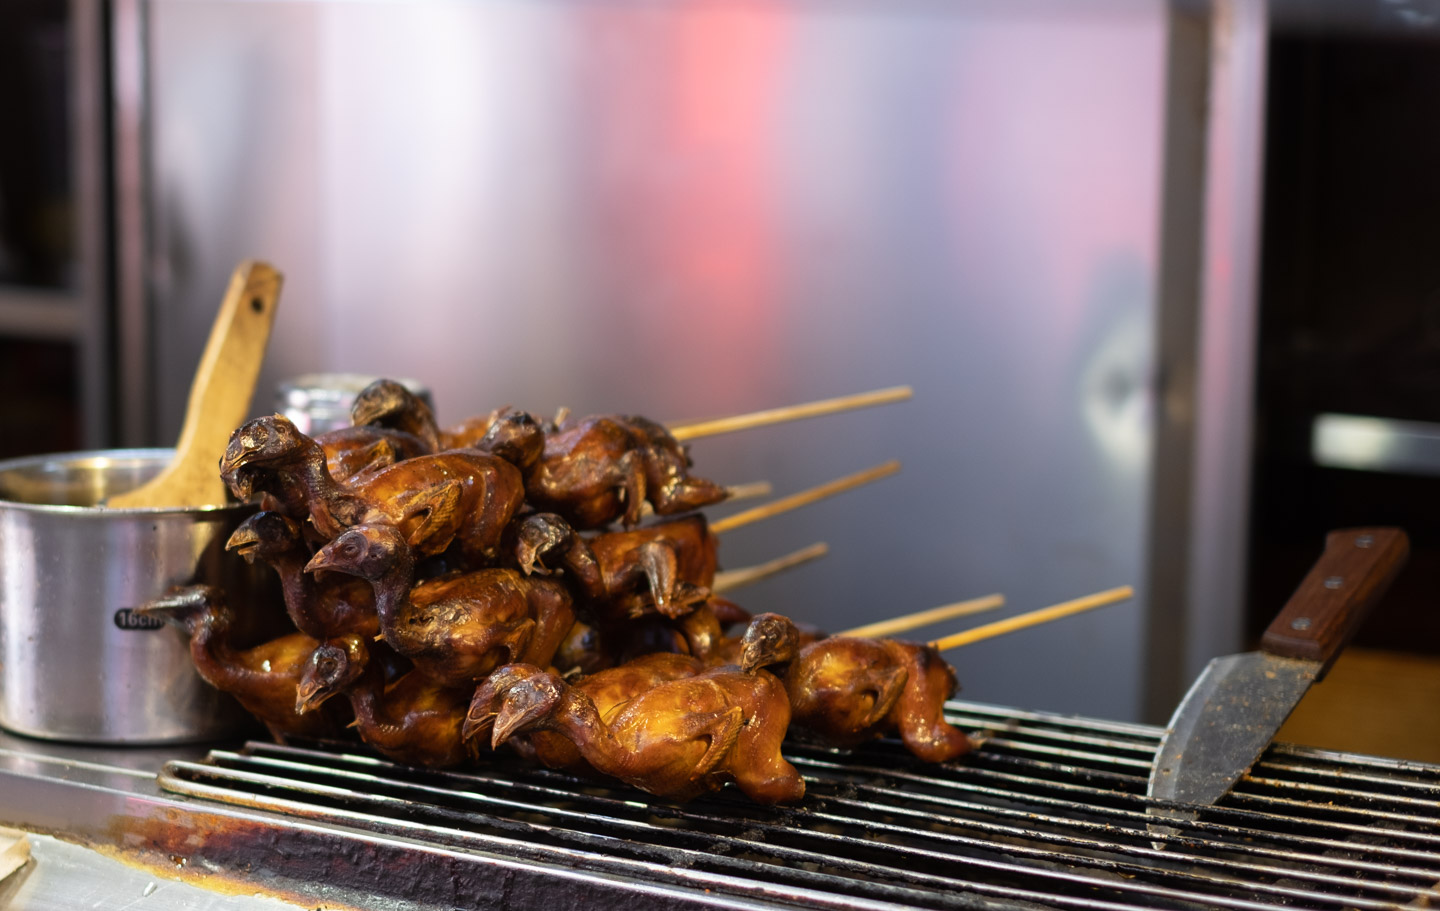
(610, 690)
(338, 605)
(458, 627)
(598, 469)
(262, 679)
(462, 496)
(414, 720)
(386, 403)
(692, 710)
(677, 740)
(847, 691)
(667, 566)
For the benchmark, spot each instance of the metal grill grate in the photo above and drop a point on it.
(1048, 811)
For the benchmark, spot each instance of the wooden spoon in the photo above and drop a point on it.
(219, 395)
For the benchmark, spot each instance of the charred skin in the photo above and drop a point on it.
(459, 628)
(677, 740)
(667, 566)
(598, 469)
(847, 691)
(467, 497)
(610, 690)
(414, 720)
(354, 453)
(455, 628)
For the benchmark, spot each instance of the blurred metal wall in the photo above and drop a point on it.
(690, 209)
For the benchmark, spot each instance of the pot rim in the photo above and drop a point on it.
(60, 460)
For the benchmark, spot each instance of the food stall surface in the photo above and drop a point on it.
(1048, 811)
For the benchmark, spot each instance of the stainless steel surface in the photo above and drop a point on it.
(1048, 812)
(682, 210)
(1375, 444)
(64, 877)
(74, 662)
(132, 238)
(1225, 722)
(89, 118)
(1195, 541)
(1226, 339)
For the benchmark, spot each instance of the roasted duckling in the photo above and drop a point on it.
(516, 436)
(598, 469)
(461, 496)
(415, 720)
(321, 609)
(455, 628)
(386, 403)
(677, 740)
(847, 691)
(262, 679)
(610, 690)
(667, 566)
(769, 639)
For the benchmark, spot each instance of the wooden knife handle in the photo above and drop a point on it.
(1352, 574)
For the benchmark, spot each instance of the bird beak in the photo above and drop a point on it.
(244, 540)
(477, 721)
(323, 559)
(507, 721)
(309, 696)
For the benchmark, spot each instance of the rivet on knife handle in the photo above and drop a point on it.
(1352, 574)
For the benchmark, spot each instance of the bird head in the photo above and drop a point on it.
(538, 535)
(265, 535)
(367, 551)
(333, 666)
(769, 639)
(264, 440)
(511, 698)
(516, 437)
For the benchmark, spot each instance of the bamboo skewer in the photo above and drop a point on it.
(803, 498)
(731, 579)
(695, 429)
(925, 617)
(749, 491)
(1034, 618)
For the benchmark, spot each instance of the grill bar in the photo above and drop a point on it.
(1048, 811)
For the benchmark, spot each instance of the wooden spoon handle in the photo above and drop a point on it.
(219, 395)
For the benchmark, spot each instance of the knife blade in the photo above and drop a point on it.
(1231, 713)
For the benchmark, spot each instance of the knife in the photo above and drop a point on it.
(1239, 701)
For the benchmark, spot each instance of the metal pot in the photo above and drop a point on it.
(76, 663)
